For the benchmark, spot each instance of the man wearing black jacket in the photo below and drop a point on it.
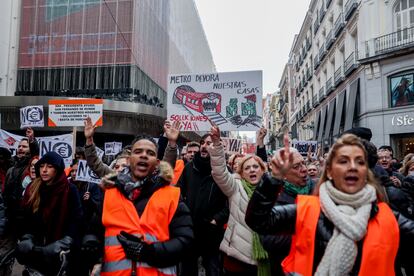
(209, 210)
(13, 193)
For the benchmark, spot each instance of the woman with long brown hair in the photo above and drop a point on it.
(346, 229)
(53, 215)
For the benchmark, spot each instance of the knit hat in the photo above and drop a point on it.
(53, 159)
(361, 132)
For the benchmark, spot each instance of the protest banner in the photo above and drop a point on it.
(61, 144)
(32, 116)
(113, 148)
(233, 100)
(73, 112)
(304, 146)
(84, 173)
(99, 152)
(232, 145)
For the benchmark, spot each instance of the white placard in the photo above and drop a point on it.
(232, 145)
(84, 173)
(233, 100)
(113, 148)
(32, 116)
(99, 152)
(61, 144)
(73, 112)
(303, 146)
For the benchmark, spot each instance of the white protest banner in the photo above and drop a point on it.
(304, 146)
(32, 116)
(84, 173)
(61, 144)
(232, 145)
(112, 148)
(99, 152)
(233, 101)
(73, 112)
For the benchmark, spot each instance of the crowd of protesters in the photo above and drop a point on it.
(162, 210)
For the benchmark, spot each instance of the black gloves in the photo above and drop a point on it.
(24, 248)
(134, 246)
(54, 249)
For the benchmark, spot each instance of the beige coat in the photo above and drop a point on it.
(237, 241)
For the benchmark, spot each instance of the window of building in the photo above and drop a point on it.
(404, 19)
(402, 89)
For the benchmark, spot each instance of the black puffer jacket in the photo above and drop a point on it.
(265, 218)
(206, 202)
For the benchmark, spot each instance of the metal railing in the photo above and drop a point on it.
(322, 51)
(350, 7)
(316, 62)
(315, 26)
(322, 13)
(339, 24)
(322, 94)
(394, 41)
(350, 64)
(315, 101)
(329, 86)
(330, 39)
(338, 76)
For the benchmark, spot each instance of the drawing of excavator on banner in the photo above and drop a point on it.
(208, 103)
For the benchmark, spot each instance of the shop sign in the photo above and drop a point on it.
(402, 120)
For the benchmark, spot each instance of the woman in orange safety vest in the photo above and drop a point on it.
(345, 230)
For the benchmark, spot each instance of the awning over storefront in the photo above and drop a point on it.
(350, 111)
(322, 123)
(329, 119)
(316, 125)
(338, 113)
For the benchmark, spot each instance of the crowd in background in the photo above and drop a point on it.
(165, 210)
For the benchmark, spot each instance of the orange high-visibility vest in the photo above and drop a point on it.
(119, 214)
(379, 247)
(178, 170)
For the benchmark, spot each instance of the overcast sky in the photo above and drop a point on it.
(252, 35)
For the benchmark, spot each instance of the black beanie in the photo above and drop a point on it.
(361, 132)
(53, 159)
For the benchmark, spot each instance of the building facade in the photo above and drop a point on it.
(118, 50)
(352, 66)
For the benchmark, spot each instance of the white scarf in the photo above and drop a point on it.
(350, 214)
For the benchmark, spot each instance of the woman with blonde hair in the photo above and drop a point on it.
(346, 229)
(244, 255)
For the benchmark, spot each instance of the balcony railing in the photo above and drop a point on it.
(350, 64)
(322, 94)
(308, 106)
(329, 86)
(339, 25)
(338, 76)
(322, 13)
(350, 7)
(308, 74)
(394, 41)
(308, 44)
(328, 3)
(316, 62)
(315, 26)
(322, 52)
(315, 101)
(330, 39)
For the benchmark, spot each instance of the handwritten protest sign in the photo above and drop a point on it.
(61, 144)
(113, 148)
(233, 101)
(232, 145)
(73, 112)
(84, 173)
(32, 116)
(304, 146)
